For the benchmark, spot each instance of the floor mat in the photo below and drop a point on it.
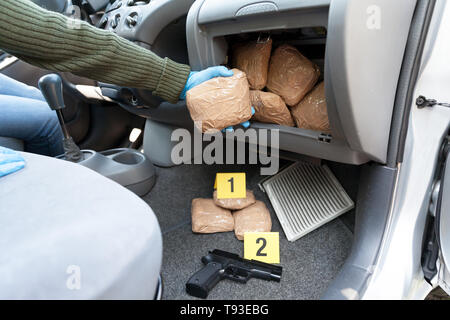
(309, 264)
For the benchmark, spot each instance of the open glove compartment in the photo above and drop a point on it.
(357, 44)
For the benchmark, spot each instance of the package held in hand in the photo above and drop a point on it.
(220, 102)
(291, 75)
(270, 108)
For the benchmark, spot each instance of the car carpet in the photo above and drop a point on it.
(309, 264)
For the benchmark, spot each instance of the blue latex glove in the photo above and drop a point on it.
(197, 77)
(245, 124)
(10, 161)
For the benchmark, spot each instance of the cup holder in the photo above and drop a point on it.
(129, 158)
(128, 167)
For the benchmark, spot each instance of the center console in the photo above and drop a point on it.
(128, 167)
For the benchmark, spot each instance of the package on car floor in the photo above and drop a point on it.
(253, 59)
(255, 218)
(220, 102)
(311, 113)
(270, 108)
(235, 204)
(291, 75)
(209, 218)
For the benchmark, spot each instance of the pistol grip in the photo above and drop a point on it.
(204, 280)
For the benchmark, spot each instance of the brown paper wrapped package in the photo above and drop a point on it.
(270, 108)
(255, 218)
(253, 59)
(220, 102)
(311, 113)
(235, 204)
(209, 218)
(291, 75)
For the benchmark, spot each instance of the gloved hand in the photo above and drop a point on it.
(10, 161)
(245, 124)
(197, 77)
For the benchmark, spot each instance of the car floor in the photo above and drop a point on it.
(309, 264)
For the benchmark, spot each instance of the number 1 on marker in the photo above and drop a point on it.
(231, 185)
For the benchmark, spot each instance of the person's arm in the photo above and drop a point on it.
(49, 40)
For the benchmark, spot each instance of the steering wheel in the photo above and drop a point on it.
(54, 5)
(62, 6)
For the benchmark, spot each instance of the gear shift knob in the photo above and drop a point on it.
(52, 89)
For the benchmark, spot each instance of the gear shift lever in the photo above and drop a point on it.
(52, 90)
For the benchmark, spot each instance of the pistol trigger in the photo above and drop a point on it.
(238, 278)
(243, 279)
(246, 278)
(234, 273)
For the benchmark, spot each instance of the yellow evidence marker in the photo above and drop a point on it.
(231, 185)
(262, 246)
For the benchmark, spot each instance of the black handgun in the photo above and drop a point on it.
(224, 265)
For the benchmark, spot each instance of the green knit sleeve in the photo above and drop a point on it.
(55, 42)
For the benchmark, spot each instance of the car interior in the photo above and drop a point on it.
(364, 70)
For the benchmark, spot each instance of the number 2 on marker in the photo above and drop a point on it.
(262, 246)
(259, 253)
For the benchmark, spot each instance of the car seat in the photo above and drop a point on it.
(66, 232)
